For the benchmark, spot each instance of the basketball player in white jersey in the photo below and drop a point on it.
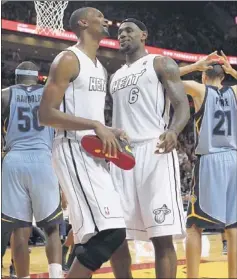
(213, 202)
(150, 193)
(73, 103)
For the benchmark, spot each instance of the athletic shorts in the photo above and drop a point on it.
(94, 205)
(213, 201)
(150, 194)
(29, 186)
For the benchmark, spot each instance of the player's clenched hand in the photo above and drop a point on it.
(167, 142)
(108, 138)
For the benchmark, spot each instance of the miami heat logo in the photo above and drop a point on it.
(160, 214)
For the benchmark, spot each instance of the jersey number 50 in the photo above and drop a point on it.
(23, 115)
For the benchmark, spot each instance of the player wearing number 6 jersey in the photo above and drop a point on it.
(213, 202)
(29, 184)
(150, 193)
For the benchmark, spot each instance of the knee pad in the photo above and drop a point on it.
(99, 248)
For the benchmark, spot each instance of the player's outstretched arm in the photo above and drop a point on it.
(193, 88)
(229, 70)
(227, 67)
(63, 70)
(168, 73)
(201, 65)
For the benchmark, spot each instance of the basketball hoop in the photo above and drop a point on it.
(49, 19)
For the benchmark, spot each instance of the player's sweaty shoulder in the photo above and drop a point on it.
(165, 66)
(66, 64)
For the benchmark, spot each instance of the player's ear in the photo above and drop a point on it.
(144, 36)
(83, 23)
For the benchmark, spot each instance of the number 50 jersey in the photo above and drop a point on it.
(23, 131)
(216, 121)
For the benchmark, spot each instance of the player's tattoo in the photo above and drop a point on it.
(169, 69)
(168, 73)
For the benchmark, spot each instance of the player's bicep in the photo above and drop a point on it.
(168, 73)
(63, 70)
(194, 88)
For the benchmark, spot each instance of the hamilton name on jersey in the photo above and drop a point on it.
(23, 98)
(126, 81)
(97, 84)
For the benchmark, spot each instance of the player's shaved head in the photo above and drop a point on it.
(89, 23)
(78, 15)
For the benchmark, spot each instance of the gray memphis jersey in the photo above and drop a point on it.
(23, 131)
(215, 122)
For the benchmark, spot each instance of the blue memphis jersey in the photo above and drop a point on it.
(216, 129)
(23, 129)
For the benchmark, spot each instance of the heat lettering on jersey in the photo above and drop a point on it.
(28, 99)
(97, 84)
(126, 81)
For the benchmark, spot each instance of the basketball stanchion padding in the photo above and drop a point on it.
(125, 159)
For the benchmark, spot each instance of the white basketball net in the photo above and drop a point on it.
(49, 19)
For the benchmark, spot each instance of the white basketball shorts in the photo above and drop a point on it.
(150, 194)
(94, 205)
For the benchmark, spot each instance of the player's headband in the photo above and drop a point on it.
(139, 24)
(20, 72)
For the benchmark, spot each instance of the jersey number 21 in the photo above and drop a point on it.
(222, 116)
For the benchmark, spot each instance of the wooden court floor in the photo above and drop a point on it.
(214, 264)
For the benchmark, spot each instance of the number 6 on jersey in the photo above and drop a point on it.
(133, 95)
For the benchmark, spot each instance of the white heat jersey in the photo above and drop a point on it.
(85, 96)
(140, 106)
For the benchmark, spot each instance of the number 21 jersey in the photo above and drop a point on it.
(140, 106)
(23, 131)
(215, 122)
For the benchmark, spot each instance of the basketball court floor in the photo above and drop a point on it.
(213, 264)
